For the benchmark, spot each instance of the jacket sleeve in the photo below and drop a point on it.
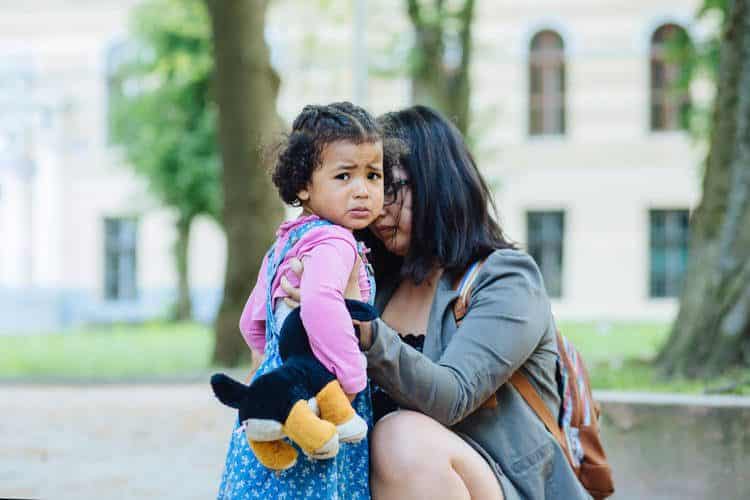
(507, 317)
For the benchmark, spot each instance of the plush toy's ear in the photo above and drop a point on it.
(361, 311)
(229, 391)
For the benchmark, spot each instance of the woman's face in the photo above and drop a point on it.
(393, 227)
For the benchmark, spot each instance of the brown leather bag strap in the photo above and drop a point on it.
(532, 398)
(518, 379)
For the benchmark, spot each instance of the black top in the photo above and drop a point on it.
(382, 404)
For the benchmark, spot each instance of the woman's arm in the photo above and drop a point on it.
(507, 317)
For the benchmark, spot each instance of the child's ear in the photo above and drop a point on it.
(303, 195)
(229, 391)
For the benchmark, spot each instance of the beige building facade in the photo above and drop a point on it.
(611, 174)
(69, 254)
(82, 241)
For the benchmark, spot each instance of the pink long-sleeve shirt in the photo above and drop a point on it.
(328, 252)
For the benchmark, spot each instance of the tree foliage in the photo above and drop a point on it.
(700, 60)
(441, 55)
(163, 115)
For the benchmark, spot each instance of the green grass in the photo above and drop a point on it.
(618, 355)
(109, 352)
(616, 341)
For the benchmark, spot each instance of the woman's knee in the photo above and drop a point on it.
(408, 445)
(397, 444)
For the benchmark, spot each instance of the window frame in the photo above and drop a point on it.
(546, 85)
(120, 282)
(668, 107)
(555, 285)
(675, 241)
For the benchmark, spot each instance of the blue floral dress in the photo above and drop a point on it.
(347, 476)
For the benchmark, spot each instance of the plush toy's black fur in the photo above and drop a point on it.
(301, 375)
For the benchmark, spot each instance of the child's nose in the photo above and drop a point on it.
(360, 188)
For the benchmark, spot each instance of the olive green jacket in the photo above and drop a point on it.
(508, 326)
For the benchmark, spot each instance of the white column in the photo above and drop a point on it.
(26, 257)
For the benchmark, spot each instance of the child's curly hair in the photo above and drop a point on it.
(314, 128)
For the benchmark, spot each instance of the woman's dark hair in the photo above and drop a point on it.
(314, 128)
(453, 212)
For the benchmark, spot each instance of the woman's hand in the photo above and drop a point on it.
(351, 292)
(365, 334)
(293, 293)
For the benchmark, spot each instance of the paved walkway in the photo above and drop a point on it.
(111, 441)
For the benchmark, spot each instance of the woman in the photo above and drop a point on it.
(444, 442)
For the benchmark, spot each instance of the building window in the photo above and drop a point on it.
(545, 231)
(547, 84)
(670, 99)
(120, 243)
(669, 236)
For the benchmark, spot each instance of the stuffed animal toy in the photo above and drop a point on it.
(300, 400)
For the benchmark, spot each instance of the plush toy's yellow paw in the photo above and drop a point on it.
(276, 455)
(333, 403)
(335, 407)
(316, 437)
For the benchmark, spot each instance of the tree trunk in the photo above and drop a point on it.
(183, 308)
(440, 72)
(712, 331)
(246, 87)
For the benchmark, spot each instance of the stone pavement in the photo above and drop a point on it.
(112, 441)
(167, 441)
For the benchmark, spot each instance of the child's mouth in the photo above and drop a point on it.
(359, 213)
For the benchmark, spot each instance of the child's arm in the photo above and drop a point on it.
(253, 319)
(323, 312)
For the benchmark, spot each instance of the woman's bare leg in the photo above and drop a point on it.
(413, 456)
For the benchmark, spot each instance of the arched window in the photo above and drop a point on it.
(547, 84)
(670, 100)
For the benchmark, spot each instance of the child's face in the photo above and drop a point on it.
(347, 187)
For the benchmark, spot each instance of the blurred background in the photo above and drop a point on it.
(135, 207)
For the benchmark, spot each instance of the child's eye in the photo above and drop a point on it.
(343, 177)
(374, 176)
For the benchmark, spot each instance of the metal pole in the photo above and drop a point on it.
(359, 53)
